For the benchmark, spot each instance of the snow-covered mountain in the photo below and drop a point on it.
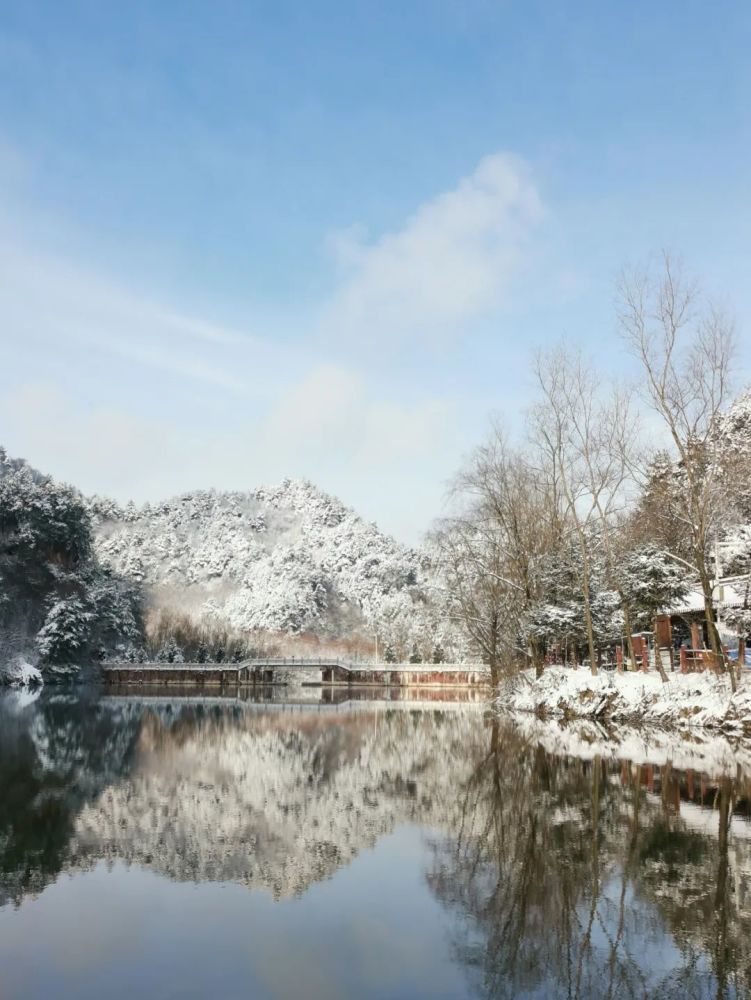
(287, 559)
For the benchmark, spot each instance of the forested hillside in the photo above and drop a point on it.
(288, 560)
(58, 606)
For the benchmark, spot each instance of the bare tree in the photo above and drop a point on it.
(520, 502)
(471, 557)
(584, 437)
(489, 551)
(685, 346)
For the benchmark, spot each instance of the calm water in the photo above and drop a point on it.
(177, 848)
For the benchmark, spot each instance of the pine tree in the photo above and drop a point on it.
(53, 594)
(414, 656)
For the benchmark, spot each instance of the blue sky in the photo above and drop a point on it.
(240, 241)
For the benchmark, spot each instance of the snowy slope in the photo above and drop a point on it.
(285, 559)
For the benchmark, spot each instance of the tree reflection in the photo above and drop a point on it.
(55, 756)
(580, 878)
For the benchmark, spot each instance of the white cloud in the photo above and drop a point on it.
(331, 418)
(452, 259)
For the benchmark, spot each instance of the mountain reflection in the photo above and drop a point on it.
(562, 876)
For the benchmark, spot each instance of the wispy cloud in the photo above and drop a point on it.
(451, 260)
(55, 303)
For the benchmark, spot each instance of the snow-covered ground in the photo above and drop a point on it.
(690, 701)
(706, 752)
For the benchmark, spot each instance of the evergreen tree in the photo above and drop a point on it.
(170, 652)
(414, 656)
(53, 594)
(651, 582)
(65, 632)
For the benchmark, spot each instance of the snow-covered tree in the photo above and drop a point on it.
(170, 652)
(685, 345)
(652, 581)
(65, 632)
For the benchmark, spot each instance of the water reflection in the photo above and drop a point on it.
(558, 875)
(587, 878)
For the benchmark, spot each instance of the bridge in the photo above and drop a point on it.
(295, 671)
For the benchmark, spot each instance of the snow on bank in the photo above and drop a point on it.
(709, 753)
(686, 701)
(19, 673)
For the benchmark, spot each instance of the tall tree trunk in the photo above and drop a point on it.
(537, 658)
(588, 619)
(493, 652)
(629, 629)
(714, 636)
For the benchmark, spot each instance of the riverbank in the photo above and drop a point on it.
(686, 701)
(713, 754)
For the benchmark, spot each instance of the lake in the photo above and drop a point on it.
(164, 847)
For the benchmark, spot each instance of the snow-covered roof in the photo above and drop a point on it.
(726, 595)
